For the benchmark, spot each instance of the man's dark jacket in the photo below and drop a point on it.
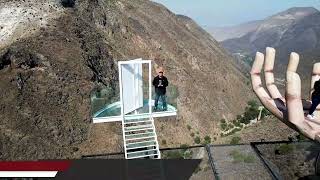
(316, 92)
(161, 90)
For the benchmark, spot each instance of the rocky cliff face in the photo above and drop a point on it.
(50, 64)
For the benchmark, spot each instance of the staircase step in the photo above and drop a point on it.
(137, 116)
(149, 130)
(138, 128)
(147, 142)
(142, 153)
(149, 155)
(138, 135)
(137, 122)
(138, 145)
(140, 138)
(146, 138)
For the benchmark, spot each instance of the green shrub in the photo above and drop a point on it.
(235, 140)
(198, 169)
(192, 134)
(174, 154)
(230, 126)
(164, 142)
(251, 112)
(189, 127)
(197, 140)
(222, 121)
(285, 148)
(265, 113)
(237, 123)
(223, 126)
(253, 103)
(184, 146)
(187, 154)
(245, 120)
(207, 140)
(301, 137)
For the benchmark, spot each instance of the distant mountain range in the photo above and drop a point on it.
(231, 32)
(294, 30)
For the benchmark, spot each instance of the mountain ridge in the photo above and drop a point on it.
(49, 72)
(294, 30)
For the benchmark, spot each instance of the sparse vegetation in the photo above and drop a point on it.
(284, 149)
(237, 123)
(174, 154)
(189, 127)
(249, 159)
(207, 140)
(184, 153)
(251, 112)
(192, 134)
(164, 142)
(184, 146)
(265, 113)
(187, 154)
(197, 140)
(241, 157)
(301, 137)
(198, 169)
(231, 132)
(222, 121)
(235, 140)
(223, 126)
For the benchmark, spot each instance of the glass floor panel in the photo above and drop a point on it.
(114, 110)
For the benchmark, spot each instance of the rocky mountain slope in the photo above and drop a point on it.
(294, 30)
(53, 57)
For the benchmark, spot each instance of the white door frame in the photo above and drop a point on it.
(136, 61)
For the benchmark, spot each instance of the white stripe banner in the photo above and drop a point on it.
(29, 174)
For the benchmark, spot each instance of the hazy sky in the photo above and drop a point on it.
(231, 12)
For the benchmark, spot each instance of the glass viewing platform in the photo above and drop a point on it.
(106, 104)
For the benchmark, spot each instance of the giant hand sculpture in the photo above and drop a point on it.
(289, 109)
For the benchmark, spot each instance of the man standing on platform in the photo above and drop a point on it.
(160, 83)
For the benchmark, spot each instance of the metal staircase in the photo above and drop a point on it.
(140, 138)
